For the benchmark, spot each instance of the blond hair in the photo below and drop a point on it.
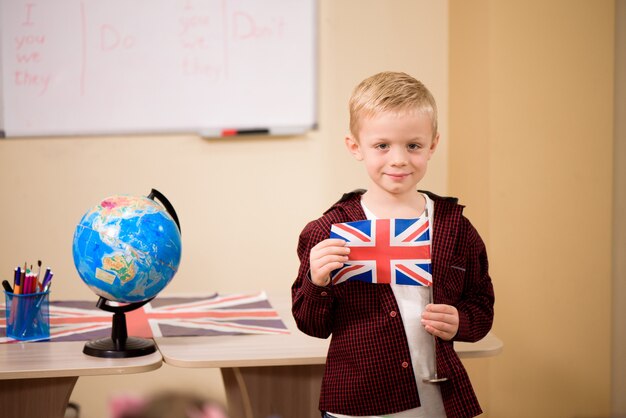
(390, 91)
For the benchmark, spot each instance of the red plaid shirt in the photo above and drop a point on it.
(368, 367)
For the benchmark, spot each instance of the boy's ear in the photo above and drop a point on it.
(433, 146)
(353, 146)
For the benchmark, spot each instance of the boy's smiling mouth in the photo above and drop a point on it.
(398, 175)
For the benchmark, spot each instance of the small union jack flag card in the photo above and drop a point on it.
(395, 251)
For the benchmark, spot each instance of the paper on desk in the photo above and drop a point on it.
(229, 314)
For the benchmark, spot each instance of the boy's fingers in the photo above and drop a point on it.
(334, 258)
(332, 251)
(322, 267)
(328, 268)
(439, 317)
(330, 242)
(438, 333)
(440, 308)
(441, 320)
(326, 256)
(438, 325)
(329, 259)
(329, 251)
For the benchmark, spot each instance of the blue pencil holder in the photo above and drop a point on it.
(28, 316)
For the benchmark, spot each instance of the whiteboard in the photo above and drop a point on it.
(74, 67)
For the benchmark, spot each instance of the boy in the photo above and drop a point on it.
(381, 353)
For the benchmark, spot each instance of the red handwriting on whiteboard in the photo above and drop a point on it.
(195, 66)
(31, 57)
(28, 56)
(27, 79)
(26, 48)
(27, 21)
(196, 31)
(112, 38)
(188, 23)
(29, 40)
(200, 37)
(247, 27)
(191, 42)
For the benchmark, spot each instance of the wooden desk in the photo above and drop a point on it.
(279, 375)
(36, 379)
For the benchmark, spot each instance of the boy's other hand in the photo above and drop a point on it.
(441, 320)
(326, 256)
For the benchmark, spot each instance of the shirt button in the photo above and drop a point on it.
(405, 364)
(324, 293)
(393, 314)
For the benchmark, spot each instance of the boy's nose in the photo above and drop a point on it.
(398, 158)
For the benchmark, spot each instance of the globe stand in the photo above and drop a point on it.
(119, 345)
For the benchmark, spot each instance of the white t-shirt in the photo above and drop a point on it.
(411, 301)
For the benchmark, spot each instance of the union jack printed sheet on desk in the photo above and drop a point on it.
(165, 317)
(385, 251)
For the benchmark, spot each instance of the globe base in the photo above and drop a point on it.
(109, 348)
(119, 345)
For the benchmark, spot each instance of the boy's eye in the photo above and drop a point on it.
(413, 147)
(382, 146)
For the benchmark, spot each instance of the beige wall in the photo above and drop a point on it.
(241, 202)
(531, 136)
(530, 142)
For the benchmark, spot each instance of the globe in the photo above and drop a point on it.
(127, 248)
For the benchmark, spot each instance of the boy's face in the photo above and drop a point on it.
(395, 148)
